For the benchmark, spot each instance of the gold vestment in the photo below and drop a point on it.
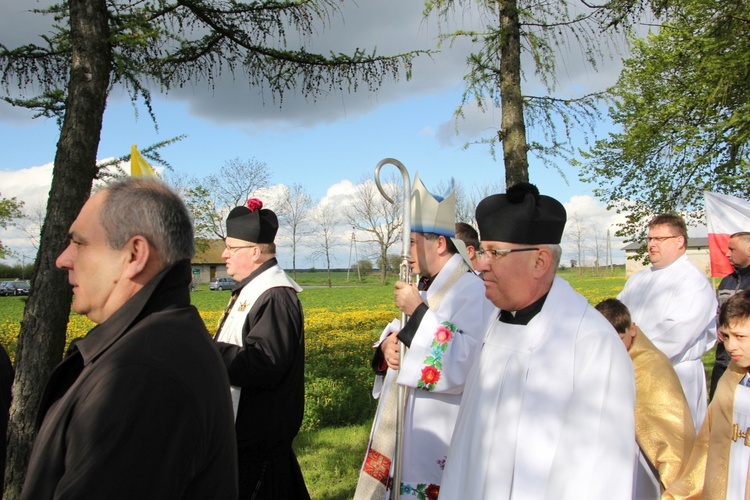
(664, 426)
(708, 469)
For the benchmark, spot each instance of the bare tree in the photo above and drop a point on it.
(599, 250)
(211, 199)
(294, 210)
(33, 220)
(467, 200)
(377, 217)
(181, 182)
(325, 221)
(577, 232)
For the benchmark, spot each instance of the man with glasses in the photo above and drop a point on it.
(548, 407)
(261, 338)
(675, 306)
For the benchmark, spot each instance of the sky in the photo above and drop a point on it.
(329, 144)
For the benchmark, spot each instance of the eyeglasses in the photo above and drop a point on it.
(233, 250)
(496, 254)
(659, 239)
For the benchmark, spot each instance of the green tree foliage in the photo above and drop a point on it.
(174, 42)
(96, 45)
(543, 30)
(363, 267)
(683, 104)
(10, 210)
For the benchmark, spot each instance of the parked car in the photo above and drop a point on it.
(17, 287)
(221, 284)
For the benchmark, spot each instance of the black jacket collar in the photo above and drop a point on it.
(170, 288)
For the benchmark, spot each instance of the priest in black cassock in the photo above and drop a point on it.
(261, 338)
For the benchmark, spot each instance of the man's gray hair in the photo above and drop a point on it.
(147, 207)
(556, 251)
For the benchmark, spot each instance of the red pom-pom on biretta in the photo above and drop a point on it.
(254, 204)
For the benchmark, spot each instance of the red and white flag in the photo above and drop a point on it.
(725, 215)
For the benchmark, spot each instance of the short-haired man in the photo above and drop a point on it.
(720, 462)
(675, 305)
(548, 407)
(140, 407)
(664, 428)
(261, 338)
(448, 315)
(466, 233)
(738, 253)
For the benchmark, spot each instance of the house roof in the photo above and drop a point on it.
(211, 255)
(692, 243)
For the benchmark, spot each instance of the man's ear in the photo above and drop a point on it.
(442, 244)
(543, 261)
(139, 251)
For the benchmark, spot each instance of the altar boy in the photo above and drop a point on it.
(718, 466)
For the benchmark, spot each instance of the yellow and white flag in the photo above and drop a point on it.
(138, 164)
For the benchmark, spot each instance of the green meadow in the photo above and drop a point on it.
(341, 323)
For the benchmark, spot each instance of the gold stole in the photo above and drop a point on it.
(664, 426)
(708, 470)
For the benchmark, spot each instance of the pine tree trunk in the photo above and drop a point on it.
(42, 335)
(512, 127)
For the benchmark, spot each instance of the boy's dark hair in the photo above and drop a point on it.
(616, 313)
(736, 308)
(467, 234)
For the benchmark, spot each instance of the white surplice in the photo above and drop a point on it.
(547, 411)
(739, 452)
(431, 410)
(675, 306)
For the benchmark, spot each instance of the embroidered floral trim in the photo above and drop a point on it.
(421, 491)
(433, 363)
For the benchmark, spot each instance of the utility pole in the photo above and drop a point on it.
(353, 246)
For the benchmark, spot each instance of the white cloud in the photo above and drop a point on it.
(32, 185)
(29, 185)
(390, 26)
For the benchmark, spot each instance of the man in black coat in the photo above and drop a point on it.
(261, 338)
(140, 407)
(738, 253)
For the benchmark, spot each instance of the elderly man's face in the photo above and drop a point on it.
(94, 268)
(508, 277)
(239, 256)
(664, 246)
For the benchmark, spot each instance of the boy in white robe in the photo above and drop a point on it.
(448, 314)
(548, 408)
(719, 465)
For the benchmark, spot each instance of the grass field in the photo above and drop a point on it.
(341, 323)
